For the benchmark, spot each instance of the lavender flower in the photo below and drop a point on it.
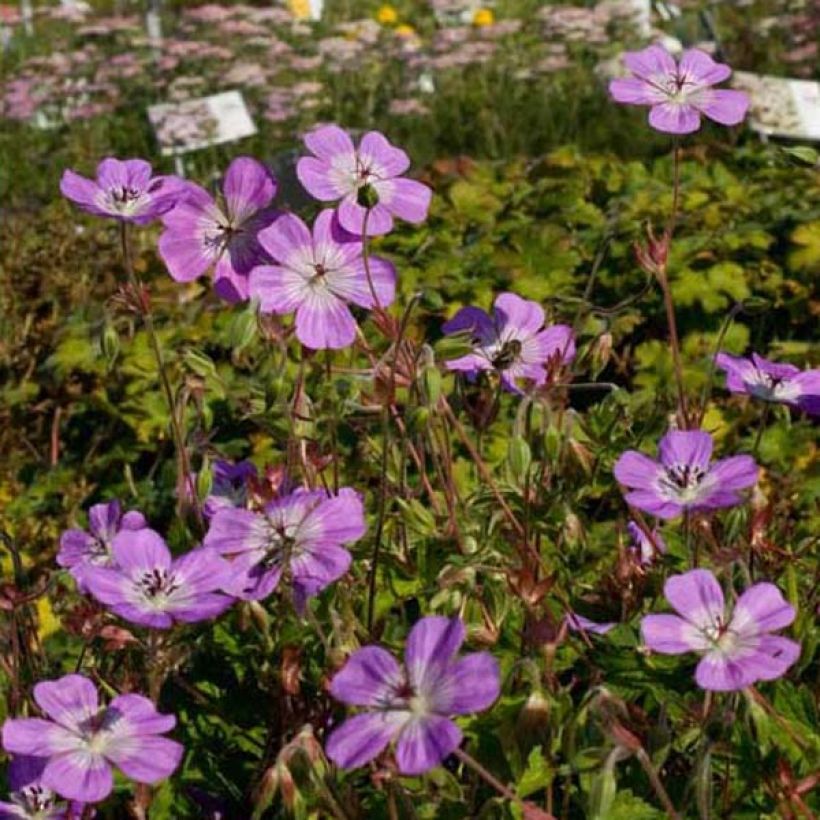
(124, 190)
(81, 741)
(30, 799)
(368, 180)
(150, 588)
(229, 487)
(511, 342)
(679, 93)
(79, 549)
(200, 233)
(770, 381)
(737, 648)
(411, 704)
(299, 535)
(316, 276)
(643, 546)
(684, 479)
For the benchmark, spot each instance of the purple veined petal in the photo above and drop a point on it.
(635, 91)
(405, 198)
(143, 613)
(739, 371)
(139, 550)
(473, 320)
(104, 520)
(329, 142)
(697, 597)
(517, 318)
(651, 502)
(230, 285)
(137, 173)
(324, 322)
(108, 586)
(114, 173)
(70, 700)
(761, 608)
(685, 447)
(772, 657)
(716, 500)
(82, 191)
(472, 363)
(185, 254)
(145, 758)
(425, 742)
(279, 289)
(556, 340)
(671, 635)
(696, 67)
(74, 547)
(248, 186)
(533, 373)
(352, 217)
(432, 642)
(201, 607)
(578, 623)
(338, 519)
(776, 369)
(734, 473)
(36, 737)
(319, 566)
(363, 737)
(370, 677)
(674, 118)
(287, 235)
(141, 716)
(636, 470)
(133, 520)
(249, 579)
(470, 684)
(319, 180)
(651, 62)
(79, 775)
(194, 210)
(384, 159)
(807, 384)
(722, 105)
(353, 286)
(718, 673)
(201, 570)
(234, 530)
(24, 770)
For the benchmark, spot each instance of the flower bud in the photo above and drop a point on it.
(431, 382)
(519, 457)
(110, 343)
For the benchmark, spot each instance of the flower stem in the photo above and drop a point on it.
(764, 420)
(148, 320)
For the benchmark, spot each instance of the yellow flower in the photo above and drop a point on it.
(405, 31)
(300, 9)
(483, 17)
(387, 15)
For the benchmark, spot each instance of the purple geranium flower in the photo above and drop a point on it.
(512, 342)
(370, 175)
(684, 479)
(299, 534)
(200, 233)
(81, 740)
(80, 549)
(124, 190)
(411, 704)
(737, 648)
(229, 485)
(679, 93)
(30, 799)
(316, 276)
(148, 587)
(770, 381)
(643, 545)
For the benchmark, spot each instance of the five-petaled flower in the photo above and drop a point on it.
(738, 648)
(299, 535)
(684, 479)
(79, 548)
(149, 587)
(512, 342)
(771, 381)
(124, 190)
(368, 180)
(81, 741)
(679, 93)
(316, 276)
(411, 704)
(201, 233)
